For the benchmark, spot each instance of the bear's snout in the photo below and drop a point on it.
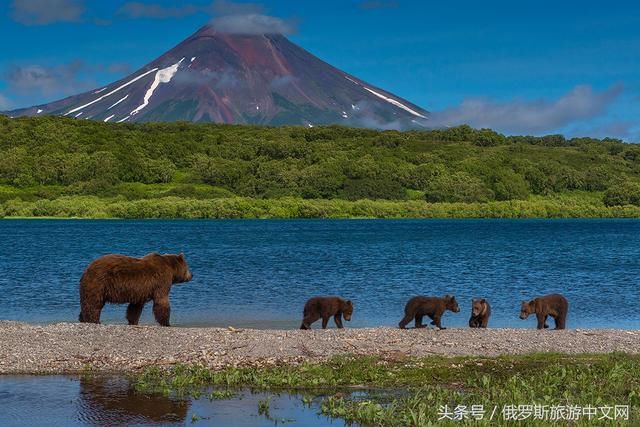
(523, 316)
(347, 317)
(189, 276)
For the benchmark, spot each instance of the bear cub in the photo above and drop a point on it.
(480, 313)
(554, 305)
(325, 307)
(434, 307)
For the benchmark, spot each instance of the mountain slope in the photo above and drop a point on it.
(240, 79)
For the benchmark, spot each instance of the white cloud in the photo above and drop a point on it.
(252, 24)
(524, 116)
(43, 12)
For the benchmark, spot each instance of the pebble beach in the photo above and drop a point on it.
(71, 348)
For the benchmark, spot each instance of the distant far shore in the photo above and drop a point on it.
(68, 348)
(90, 207)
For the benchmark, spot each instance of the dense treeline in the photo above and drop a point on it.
(48, 158)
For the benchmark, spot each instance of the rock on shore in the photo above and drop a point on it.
(73, 347)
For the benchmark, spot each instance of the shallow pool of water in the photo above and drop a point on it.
(109, 401)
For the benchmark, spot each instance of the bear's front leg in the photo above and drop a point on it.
(436, 322)
(162, 310)
(325, 322)
(338, 319)
(542, 321)
(134, 310)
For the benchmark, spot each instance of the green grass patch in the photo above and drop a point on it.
(414, 391)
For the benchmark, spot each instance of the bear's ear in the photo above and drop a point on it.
(349, 302)
(483, 301)
(181, 256)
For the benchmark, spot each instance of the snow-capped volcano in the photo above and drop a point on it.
(240, 79)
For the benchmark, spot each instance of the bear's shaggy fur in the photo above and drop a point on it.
(554, 305)
(480, 313)
(325, 307)
(434, 307)
(121, 279)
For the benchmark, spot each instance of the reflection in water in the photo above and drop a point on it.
(111, 401)
(65, 401)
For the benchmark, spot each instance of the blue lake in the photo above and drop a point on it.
(259, 273)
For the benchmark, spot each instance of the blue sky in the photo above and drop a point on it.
(519, 67)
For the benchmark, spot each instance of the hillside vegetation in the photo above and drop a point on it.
(52, 166)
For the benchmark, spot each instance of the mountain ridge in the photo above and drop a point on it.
(219, 77)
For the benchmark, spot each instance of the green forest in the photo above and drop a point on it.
(59, 167)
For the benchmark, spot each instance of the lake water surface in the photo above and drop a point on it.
(259, 273)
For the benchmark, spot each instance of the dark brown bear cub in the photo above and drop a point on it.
(480, 313)
(554, 305)
(324, 308)
(121, 279)
(434, 307)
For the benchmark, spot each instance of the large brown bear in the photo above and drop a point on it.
(480, 313)
(554, 305)
(135, 281)
(434, 307)
(325, 307)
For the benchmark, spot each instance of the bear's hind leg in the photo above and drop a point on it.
(90, 313)
(308, 320)
(162, 310)
(405, 321)
(134, 310)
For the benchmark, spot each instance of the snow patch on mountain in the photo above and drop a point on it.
(118, 102)
(112, 92)
(351, 80)
(394, 102)
(163, 76)
(109, 118)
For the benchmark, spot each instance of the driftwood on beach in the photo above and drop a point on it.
(74, 348)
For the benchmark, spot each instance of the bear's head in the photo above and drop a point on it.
(451, 303)
(478, 307)
(181, 272)
(527, 308)
(347, 309)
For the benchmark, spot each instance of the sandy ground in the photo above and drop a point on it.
(74, 347)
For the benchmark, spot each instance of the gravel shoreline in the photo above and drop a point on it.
(68, 348)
